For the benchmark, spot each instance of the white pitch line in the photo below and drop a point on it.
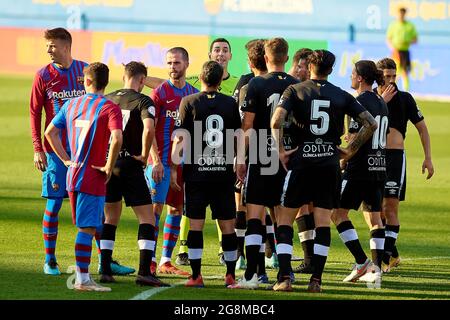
(147, 294)
(402, 259)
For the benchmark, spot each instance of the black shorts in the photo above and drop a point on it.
(130, 184)
(320, 185)
(355, 192)
(218, 195)
(405, 60)
(261, 189)
(395, 186)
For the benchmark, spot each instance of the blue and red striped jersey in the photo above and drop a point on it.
(167, 99)
(52, 86)
(89, 120)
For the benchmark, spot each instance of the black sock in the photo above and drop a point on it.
(350, 238)
(107, 246)
(270, 231)
(146, 242)
(389, 243)
(240, 227)
(253, 242)
(395, 252)
(262, 252)
(229, 247)
(377, 245)
(284, 236)
(322, 243)
(305, 225)
(195, 246)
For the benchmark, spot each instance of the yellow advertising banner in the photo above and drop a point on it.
(115, 49)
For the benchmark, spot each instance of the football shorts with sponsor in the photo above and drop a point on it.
(395, 186)
(320, 185)
(87, 209)
(263, 189)
(54, 177)
(161, 192)
(218, 195)
(128, 181)
(354, 192)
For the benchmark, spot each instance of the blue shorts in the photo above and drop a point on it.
(87, 209)
(54, 177)
(158, 190)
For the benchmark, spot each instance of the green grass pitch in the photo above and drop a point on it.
(424, 242)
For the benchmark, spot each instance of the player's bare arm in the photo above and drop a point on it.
(247, 124)
(153, 82)
(176, 153)
(426, 145)
(148, 135)
(369, 126)
(52, 135)
(114, 148)
(158, 167)
(276, 125)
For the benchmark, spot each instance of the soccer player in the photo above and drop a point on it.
(257, 63)
(53, 85)
(364, 177)
(402, 108)
(90, 120)
(262, 96)
(209, 176)
(399, 37)
(318, 108)
(299, 68)
(129, 181)
(167, 99)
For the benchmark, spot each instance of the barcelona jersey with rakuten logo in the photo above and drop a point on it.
(89, 121)
(167, 99)
(52, 87)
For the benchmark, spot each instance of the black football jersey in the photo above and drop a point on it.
(369, 163)
(135, 108)
(211, 119)
(402, 108)
(318, 109)
(243, 80)
(263, 94)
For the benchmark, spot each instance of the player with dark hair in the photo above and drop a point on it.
(364, 177)
(209, 176)
(318, 109)
(128, 179)
(299, 68)
(90, 120)
(53, 85)
(167, 99)
(262, 96)
(402, 108)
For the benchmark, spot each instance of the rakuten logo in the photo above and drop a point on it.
(64, 95)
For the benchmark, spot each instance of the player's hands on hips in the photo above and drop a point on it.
(40, 161)
(173, 179)
(284, 157)
(241, 171)
(427, 164)
(158, 172)
(389, 93)
(106, 170)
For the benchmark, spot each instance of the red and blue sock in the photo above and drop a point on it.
(83, 249)
(171, 232)
(50, 227)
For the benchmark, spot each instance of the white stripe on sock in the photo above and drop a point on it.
(106, 244)
(164, 260)
(253, 240)
(349, 235)
(306, 235)
(283, 248)
(230, 255)
(240, 233)
(376, 243)
(270, 229)
(146, 244)
(195, 254)
(262, 248)
(391, 234)
(321, 250)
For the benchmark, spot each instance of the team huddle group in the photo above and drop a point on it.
(100, 148)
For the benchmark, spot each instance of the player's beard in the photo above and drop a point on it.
(177, 75)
